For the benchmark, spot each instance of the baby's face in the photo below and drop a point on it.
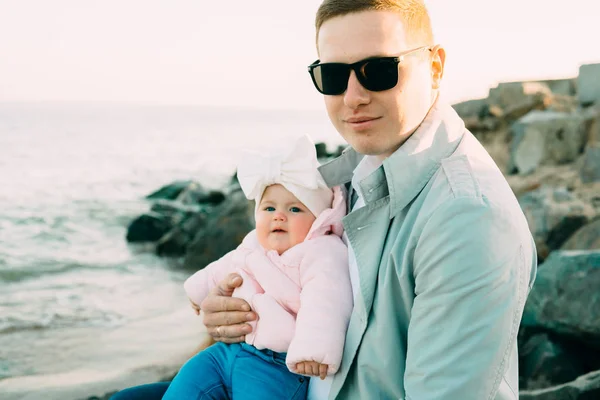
(282, 221)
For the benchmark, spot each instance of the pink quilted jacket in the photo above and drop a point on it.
(303, 297)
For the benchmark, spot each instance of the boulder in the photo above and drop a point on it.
(563, 87)
(321, 149)
(547, 208)
(592, 120)
(470, 108)
(199, 196)
(561, 103)
(148, 228)
(588, 83)
(586, 238)
(174, 209)
(565, 299)
(590, 168)
(509, 94)
(544, 362)
(546, 138)
(176, 242)
(564, 230)
(523, 107)
(224, 229)
(187, 192)
(586, 387)
(172, 190)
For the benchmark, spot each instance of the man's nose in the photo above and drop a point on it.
(355, 94)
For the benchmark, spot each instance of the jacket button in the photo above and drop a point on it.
(301, 380)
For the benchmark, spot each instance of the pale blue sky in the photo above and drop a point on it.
(255, 53)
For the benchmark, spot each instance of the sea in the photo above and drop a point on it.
(82, 312)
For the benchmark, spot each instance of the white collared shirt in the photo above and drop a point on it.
(319, 389)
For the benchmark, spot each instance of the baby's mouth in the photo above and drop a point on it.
(278, 230)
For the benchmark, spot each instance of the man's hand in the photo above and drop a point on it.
(225, 317)
(312, 368)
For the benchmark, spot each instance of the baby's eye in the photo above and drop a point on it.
(295, 209)
(269, 208)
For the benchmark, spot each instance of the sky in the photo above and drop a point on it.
(254, 53)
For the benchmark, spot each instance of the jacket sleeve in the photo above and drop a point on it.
(325, 305)
(471, 266)
(199, 285)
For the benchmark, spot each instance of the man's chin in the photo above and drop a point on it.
(373, 147)
(368, 149)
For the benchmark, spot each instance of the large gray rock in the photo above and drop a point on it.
(148, 228)
(586, 238)
(172, 190)
(585, 387)
(547, 208)
(592, 120)
(546, 138)
(187, 192)
(561, 103)
(590, 168)
(564, 230)
(565, 87)
(544, 362)
(223, 231)
(176, 242)
(565, 299)
(470, 108)
(508, 94)
(164, 221)
(588, 83)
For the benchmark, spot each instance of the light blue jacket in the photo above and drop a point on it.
(445, 260)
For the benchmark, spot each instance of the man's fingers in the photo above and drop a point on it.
(227, 318)
(323, 371)
(213, 304)
(219, 332)
(300, 368)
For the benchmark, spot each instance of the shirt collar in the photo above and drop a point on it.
(404, 174)
(366, 166)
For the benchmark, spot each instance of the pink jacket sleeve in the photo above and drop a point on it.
(325, 305)
(198, 285)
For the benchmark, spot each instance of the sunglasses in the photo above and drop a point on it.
(375, 74)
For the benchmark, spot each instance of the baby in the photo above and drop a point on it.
(295, 271)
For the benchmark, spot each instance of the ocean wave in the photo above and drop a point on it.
(94, 318)
(14, 275)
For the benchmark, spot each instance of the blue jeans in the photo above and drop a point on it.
(151, 391)
(239, 372)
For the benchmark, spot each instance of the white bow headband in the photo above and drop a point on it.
(294, 167)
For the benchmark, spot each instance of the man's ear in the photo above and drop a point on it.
(438, 60)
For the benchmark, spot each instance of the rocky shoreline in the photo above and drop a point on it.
(545, 136)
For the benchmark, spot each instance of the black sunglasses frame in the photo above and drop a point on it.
(357, 68)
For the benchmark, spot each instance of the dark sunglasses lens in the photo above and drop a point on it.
(379, 75)
(331, 79)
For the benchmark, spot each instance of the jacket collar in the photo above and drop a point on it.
(404, 174)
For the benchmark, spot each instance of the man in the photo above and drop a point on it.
(441, 258)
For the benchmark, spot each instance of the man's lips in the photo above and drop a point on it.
(361, 123)
(360, 120)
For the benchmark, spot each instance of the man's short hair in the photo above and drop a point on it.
(414, 15)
